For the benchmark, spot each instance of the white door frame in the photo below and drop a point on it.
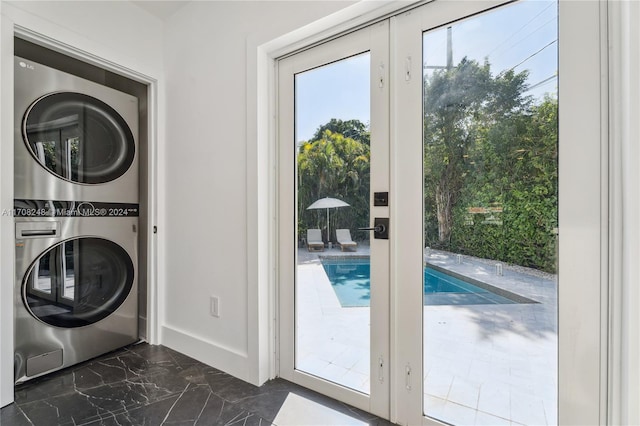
(9, 30)
(580, 325)
(583, 215)
(152, 160)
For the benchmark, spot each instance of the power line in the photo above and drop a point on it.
(527, 58)
(522, 28)
(541, 83)
(527, 36)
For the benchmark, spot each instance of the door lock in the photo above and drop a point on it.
(380, 228)
(380, 198)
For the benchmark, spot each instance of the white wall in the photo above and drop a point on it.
(115, 32)
(207, 246)
(206, 81)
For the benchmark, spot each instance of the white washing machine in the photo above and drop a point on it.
(74, 139)
(75, 294)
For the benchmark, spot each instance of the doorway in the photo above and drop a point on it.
(459, 313)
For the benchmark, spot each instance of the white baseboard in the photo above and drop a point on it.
(215, 355)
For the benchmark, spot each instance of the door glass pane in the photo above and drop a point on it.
(79, 138)
(41, 281)
(490, 217)
(68, 289)
(332, 290)
(73, 159)
(45, 151)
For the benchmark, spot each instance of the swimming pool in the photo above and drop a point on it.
(350, 279)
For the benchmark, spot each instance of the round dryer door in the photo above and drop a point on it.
(78, 282)
(78, 138)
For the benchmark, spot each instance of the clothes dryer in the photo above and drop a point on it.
(75, 294)
(74, 139)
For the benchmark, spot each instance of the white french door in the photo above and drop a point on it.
(333, 103)
(501, 117)
(476, 129)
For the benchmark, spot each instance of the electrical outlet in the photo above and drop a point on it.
(215, 306)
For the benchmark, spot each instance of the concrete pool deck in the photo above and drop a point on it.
(484, 364)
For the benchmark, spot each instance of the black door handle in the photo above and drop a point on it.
(380, 228)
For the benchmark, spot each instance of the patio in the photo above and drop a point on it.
(484, 364)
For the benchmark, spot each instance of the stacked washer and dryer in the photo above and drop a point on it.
(76, 219)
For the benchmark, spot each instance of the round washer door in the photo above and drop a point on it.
(78, 138)
(78, 282)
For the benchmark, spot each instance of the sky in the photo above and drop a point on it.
(522, 36)
(338, 90)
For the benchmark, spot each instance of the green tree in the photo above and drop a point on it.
(508, 206)
(354, 129)
(332, 165)
(531, 209)
(490, 163)
(453, 101)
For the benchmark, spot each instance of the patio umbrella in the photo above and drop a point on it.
(327, 203)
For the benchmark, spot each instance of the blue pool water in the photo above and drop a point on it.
(350, 279)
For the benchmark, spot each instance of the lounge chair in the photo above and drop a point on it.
(344, 239)
(314, 240)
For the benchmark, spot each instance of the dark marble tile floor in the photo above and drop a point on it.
(153, 385)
